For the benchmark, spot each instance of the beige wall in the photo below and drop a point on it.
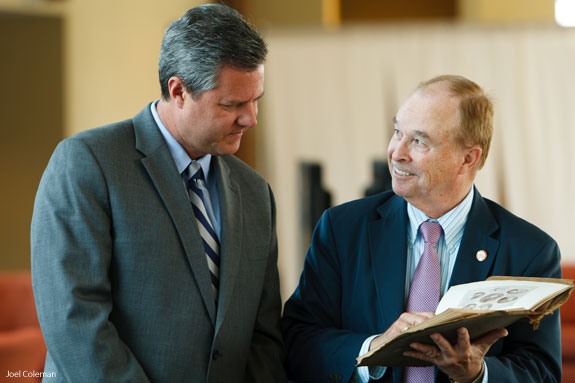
(112, 57)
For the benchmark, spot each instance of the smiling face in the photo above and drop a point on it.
(214, 121)
(428, 168)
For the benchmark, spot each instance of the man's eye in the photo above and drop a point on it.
(229, 105)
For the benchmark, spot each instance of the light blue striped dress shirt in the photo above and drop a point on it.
(453, 225)
(183, 160)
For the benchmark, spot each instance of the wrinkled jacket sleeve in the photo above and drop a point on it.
(71, 250)
(319, 348)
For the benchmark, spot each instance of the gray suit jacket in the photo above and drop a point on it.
(120, 277)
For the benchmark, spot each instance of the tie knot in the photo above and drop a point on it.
(195, 171)
(431, 231)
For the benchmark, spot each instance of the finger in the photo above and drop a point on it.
(442, 343)
(427, 349)
(422, 315)
(424, 352)
(487, 340)
(409, 319)
(417, 315)
(463, 341)
(414, 318)
(403, 323)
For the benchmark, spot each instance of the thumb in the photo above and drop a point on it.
(487, 340)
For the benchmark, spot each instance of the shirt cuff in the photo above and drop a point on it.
(485, 372)
(365, 373)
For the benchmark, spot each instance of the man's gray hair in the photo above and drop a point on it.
(207, 38)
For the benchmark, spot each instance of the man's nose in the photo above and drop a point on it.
(249, 116)
(399, 150)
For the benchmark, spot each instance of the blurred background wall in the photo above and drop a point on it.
(336, 74)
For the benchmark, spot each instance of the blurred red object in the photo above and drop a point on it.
(22, 347)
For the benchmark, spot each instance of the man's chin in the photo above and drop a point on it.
(400, 190)
(227, 150)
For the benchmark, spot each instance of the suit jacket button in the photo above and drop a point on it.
(216, 354)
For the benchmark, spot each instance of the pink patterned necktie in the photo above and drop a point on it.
(425, 291)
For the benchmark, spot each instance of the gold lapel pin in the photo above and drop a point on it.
(481, 255)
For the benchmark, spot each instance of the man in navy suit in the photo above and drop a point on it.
(358, 271)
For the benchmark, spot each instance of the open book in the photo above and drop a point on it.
(480, 307)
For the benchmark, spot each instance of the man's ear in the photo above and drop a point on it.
(471, 158)
(177, 91)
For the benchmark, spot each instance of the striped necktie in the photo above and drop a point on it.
(425, 290)
(198, 193)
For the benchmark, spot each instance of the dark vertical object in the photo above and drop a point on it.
(314, 199)
(381, 178)
(32, 110)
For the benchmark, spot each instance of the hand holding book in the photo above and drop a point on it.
(480, 307)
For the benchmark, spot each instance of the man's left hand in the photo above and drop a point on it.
(461, 361)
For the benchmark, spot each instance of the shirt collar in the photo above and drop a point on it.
(181, 158)
(451, 222)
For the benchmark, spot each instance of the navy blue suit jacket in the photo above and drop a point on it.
(353, 286)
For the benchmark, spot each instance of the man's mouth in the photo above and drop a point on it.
(401, 173)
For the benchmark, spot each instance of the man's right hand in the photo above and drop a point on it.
(405, 321)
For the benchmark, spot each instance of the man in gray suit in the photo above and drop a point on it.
(129, 285)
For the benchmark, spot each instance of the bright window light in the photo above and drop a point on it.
(565, 13)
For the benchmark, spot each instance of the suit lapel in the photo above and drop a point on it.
(477, 236)
(162, 170)
(388, 253)
(232, 229)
